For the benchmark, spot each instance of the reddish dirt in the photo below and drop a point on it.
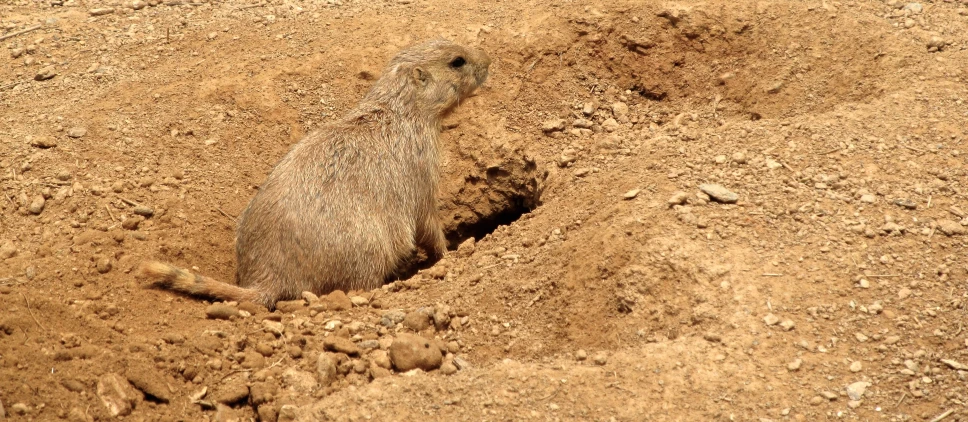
(588, 294)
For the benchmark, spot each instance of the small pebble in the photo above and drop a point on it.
(856, 366)
(341, 345)
(36, 205)
(143, 211)
(448, 368)
(359, 301)
(45, 73)
(76, 132)
(904, 293)
(856, 390)
(103, 265)
(631, 194)
(795, 365)
(788, 324)
(771, 319)
(101, 11)
(678, 198)
(600, 358)
(556, 125)
(221, 311)
(581, 355)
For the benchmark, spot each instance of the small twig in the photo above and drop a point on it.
(913, 149)
(31, 312)
(899, 401)
(227, 215)
(249, 6)
(14, 34)
(831, 151)
(129, 202)
(10, 85)
(943, 415)
(106, 207)
(772, 275)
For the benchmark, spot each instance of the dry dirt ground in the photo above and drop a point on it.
(594, 281)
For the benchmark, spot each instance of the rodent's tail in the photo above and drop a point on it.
(169, 277)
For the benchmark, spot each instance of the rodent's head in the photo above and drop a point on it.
(434, 76)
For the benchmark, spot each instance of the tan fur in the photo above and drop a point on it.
(169, 277)
(351, 201)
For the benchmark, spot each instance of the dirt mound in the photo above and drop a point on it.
(684, 211)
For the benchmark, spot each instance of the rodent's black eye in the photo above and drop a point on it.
(458, 62)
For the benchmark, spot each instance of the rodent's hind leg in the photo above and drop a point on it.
(430, 237)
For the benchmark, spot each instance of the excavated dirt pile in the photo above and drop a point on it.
(709, 210)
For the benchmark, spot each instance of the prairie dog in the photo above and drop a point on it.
(352, 200)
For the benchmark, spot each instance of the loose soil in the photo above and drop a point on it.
(589, 277)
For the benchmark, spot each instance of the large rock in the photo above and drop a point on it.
(409, 351)
(116, 394)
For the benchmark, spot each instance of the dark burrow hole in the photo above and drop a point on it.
(511, 211)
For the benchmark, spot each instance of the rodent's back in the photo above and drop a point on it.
(342, 209)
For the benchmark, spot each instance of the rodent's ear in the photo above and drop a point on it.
(420, 75)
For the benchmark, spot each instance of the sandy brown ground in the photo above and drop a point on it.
(834, 289)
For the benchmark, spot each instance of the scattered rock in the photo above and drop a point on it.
(19, 409)
(45, 73)
(232, 391)
(719, 193)
(299, 381)
(600, 358)
(43, 142)
(856, 390)
(101, 11)
(556, 125)
(326, 371)
(116, 394)
(678, 198)
(906, 203)
(143, 211)
(410, 351)
(610, 125)
(341, 345)
(417, 320)
(631, 194)
(581, 354)
(620, 110)
(37, 205)
(904, 293)
(359, 301)
(771, 319)
(132, 222)
(103, 265)
(951, 228)
(77, 132)
(448, 368)
(788, 324)
(149, 381)
(337, 301)
(221, 311)
(795, 365)
(953, 364)
(856, 366)
(289, 306)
